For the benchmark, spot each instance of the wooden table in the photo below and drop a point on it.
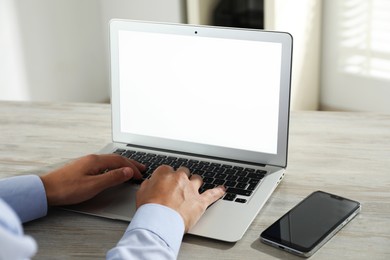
(343, 153)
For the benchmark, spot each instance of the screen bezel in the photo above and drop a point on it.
(278, 159)
(267, 236)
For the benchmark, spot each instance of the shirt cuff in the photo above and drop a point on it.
(25, 195)
(161, 220)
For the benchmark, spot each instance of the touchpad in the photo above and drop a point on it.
(115, 203)
(122, 201)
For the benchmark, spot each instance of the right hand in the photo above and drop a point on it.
(178, 190)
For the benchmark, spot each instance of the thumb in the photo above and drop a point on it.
(114, 177)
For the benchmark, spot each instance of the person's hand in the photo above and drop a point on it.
(86, 177)
(178, 191)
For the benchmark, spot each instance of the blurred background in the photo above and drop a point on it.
(57, 50)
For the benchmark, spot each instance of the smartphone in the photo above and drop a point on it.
(311, 223)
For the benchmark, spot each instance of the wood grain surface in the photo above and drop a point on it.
(338, 152)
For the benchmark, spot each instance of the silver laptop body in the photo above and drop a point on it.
(213, 94)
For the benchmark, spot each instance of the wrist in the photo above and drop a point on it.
(48, 190)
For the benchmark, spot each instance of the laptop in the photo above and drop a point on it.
(213, 99)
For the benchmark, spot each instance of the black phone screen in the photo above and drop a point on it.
(308, 223)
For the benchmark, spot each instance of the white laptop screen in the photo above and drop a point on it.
(204, 90)
(199, 93)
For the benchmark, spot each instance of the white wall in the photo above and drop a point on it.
(303, 20)
(59, 44)
(13, 78)
(57, 50)
(356, 55)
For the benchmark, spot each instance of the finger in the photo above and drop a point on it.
(196, 180)
(162, 169)
(113, 178)
(114, 161)
(185, 170)
(139, 165)
(212, 195)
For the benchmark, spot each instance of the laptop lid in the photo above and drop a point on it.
(211, 91)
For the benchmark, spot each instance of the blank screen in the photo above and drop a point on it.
(214, 91)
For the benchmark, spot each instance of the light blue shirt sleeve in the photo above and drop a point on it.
(25, 195)
(155, 232)
(22, 198)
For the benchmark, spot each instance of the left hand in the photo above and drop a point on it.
(85, 178)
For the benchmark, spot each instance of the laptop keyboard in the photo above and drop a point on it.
(240, 182)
